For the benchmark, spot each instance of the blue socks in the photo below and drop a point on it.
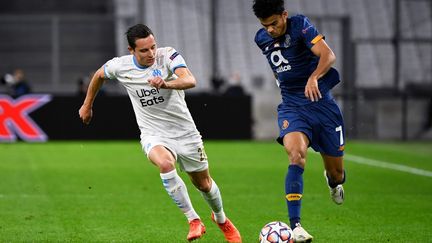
(294, 193)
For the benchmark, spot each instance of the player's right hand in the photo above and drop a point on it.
(157, 82)
(312, 91)
(85, 114)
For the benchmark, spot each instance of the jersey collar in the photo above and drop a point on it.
(137, 64)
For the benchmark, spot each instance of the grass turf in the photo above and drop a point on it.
(109, 192)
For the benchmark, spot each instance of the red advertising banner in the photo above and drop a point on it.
(15, 120)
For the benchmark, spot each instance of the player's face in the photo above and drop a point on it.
(145, 50)
(275, 24)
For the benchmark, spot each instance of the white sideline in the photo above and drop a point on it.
(387, 165)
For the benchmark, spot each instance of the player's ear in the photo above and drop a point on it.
(130, 50)
(285, 14)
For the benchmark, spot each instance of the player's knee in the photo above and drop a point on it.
(166, 166)
(297, 156)
(203, 185)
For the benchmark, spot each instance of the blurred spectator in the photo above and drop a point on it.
(428, 124)
(258, 82)
(82, 87)
(83, 83)
(234, 86)
(17, 83)
(217, 83)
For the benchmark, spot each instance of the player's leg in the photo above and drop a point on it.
(332, 143)
(193, 159)
(211, 193)
(335, 176)
(296, 144)
(176, 188)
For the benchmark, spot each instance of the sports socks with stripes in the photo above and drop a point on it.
(294, 193)
(177, 190)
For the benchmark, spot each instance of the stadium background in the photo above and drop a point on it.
(383, 49)
(106, 191)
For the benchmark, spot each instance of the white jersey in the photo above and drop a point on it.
(159, 112)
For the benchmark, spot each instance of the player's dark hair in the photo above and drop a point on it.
(135, 32)
(266, 8)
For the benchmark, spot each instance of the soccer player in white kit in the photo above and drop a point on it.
(155, 79)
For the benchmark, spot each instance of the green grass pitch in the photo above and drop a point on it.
(109, 192)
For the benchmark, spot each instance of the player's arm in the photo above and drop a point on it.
(326, 59)
(86, 112)
(185, 80)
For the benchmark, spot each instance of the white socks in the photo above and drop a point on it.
(214, 200)
(177, 190)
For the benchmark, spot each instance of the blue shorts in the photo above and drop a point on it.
(321, 122)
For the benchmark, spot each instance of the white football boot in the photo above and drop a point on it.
(301, 235)
(337, 193)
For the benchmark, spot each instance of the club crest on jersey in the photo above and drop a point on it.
(285, 124)
(287, 40)
(157, 73)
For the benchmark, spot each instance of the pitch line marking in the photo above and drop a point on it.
(387, 165)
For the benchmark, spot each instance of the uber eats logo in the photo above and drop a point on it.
(148, 97)
(279, 61)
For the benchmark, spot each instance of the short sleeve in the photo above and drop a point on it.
(175, 60)
(309, 33)
(111, 67)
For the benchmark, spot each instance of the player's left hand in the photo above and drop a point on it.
(157, 82)
(311, 90)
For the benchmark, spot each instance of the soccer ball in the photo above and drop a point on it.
(276, 232)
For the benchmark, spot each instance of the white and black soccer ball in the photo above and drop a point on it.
(276, 232)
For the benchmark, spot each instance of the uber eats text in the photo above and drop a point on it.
(145, 100)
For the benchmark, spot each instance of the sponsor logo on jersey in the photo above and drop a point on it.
(279, 61)
(148, 97)
(14, 118)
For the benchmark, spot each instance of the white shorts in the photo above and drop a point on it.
(189, 153)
